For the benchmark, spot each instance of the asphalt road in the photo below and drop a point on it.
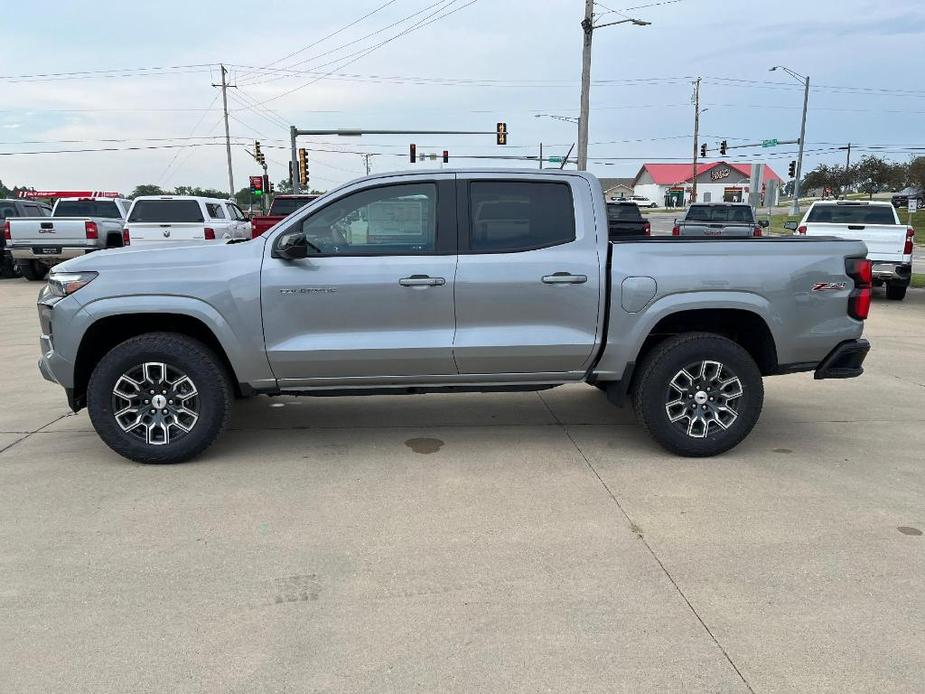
(467, 543)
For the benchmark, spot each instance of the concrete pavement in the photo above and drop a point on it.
(498, 542)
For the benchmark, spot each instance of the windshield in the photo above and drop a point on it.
(166, 211)
(286, 206)
(720, 213)
(852, 214)
(623, 213)
(88, 208)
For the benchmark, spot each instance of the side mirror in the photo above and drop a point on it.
(764, 223)
(792, 226)
(291, 246)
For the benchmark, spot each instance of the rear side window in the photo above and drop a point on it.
(7, 211)
(88, 208)
(720, 213)
(215, 210)
(851, 214)
(166, 211)
(510, 216)
(623, 213)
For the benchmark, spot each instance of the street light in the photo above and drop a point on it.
(795, 208)
(588, 27)
(567, 119)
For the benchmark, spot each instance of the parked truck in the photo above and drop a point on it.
(281, 207)
(729, 219)
(9, 209)
(889, 242)
(475, 280)
(77, 226)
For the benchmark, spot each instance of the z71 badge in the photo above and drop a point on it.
(829, 286)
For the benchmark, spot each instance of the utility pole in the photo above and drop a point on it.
(696, 138)
(224, 85)
(541, 155)
(294, 162)
(587, 26)
(848, 159)
(366, 161)
(795, 208)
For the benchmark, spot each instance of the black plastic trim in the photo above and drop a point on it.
(845, 361)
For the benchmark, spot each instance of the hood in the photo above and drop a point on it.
(168, 257)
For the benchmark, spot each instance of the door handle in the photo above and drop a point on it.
(564, 278)
(421, 281)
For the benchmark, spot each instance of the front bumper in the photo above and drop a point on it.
(845, 361)
(897, 273)
(32, 252)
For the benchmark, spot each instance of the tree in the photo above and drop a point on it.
(835, 179)
(915, 172)
(874, 174)
(146, 189)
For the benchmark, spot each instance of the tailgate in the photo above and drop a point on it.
(51, 230)
(884, 241)
(166, 232)
(717, 229)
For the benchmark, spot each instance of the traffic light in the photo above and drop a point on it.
(722, 148)
(303, 166)
(703, 150)
(502, 134)
(257, 186)
(792, 169)
(267, 186)
(413, 153)
(258, 155)
(446, 156)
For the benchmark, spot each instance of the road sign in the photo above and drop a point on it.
(913, 205)
(554, 160)
(769, 143)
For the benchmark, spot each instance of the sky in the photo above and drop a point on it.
(468, 65)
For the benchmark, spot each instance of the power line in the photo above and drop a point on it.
(112, 72)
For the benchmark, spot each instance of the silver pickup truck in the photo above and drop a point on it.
(77, 226)
(449, 281)
(728, 219)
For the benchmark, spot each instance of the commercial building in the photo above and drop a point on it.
(672, 184)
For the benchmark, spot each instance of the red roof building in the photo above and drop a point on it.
(671, 184)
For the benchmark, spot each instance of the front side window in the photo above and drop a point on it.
(391, 220)
(236, 213)
(509, 216)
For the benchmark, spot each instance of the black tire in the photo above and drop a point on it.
(8, 266)
(211, 401)
(32, 270)
(895, 292)
(711, 429)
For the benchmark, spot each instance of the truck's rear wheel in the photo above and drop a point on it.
(698, 394)
(895, 292)
(32, 270)
(159, 398)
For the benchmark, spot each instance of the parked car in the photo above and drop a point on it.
(76, 226)
(729, 219)
(901, 199)
(624, 219)
(876, 223)
(8, 210)
(642, 201)
(281, 207)
(157, 220)
(450, 281)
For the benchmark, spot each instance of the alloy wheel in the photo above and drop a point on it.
(155, 402)
(703, 397)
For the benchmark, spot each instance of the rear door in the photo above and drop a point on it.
(373, 302)
(875, 225)
(166, 221)
(528, 282)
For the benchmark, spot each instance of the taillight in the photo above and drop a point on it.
(757, 232)
(801, 230)
(861, 271)
(91, 230)
(676, 230)
(209, 234)
(647, 229)
(910, 239)
(126, 237)
(6, 231)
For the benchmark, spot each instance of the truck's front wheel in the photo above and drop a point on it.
(159, 398)
(698, 394)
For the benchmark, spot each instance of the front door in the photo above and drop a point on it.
(373, 302)
(528, 287)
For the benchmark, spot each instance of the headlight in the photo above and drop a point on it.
(62, 284)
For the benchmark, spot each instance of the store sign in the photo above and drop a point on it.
(719, 174)
(33, 194)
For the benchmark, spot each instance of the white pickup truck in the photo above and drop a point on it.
(77, 226)
(889, 241)
(158, 220)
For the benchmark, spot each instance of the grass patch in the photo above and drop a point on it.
(918, 281)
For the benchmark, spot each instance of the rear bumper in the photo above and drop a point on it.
(28, 252)
(899, 273)
(845, 361)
